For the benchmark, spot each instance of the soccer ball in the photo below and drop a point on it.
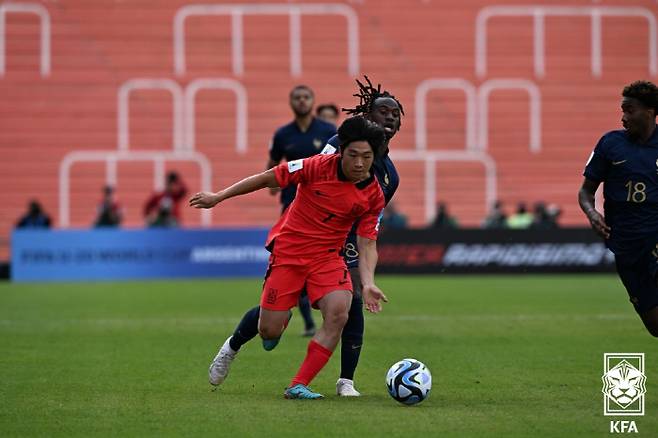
(409, 381)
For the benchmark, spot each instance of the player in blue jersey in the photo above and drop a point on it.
(384, 109)
(626, 162)
(305, 136)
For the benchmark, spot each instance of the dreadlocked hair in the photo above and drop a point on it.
(367, 95)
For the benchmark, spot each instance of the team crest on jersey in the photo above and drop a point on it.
(657, 166)
(317, 143)
(386, 180)
(357, 210)
(294, 166)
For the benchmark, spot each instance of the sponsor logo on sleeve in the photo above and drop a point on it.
(379, 220)
(328, 150)
(294, 166)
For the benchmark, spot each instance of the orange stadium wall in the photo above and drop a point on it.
(486, 116)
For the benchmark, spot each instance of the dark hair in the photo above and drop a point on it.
(34, 207)
(329, 106)
(645, 92)
(359, 128)
(172, 176)
(368, 95)
(301, 87)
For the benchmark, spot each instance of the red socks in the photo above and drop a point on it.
(316, 358)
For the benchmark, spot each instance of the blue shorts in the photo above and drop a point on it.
(639, 276)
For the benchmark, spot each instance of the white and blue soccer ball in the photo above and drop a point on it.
(409, 381)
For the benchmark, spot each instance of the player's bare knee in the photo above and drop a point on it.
(269, 331)
(337, 318)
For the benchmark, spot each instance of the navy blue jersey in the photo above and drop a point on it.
(290, 143)
(388, 179)
(629, 173)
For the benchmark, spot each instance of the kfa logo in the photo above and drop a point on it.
(624, 386)
(623, 426)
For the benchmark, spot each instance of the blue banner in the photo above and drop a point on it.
(112, 254)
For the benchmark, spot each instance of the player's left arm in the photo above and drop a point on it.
(247, 185)
(366, 242)
(372, 295)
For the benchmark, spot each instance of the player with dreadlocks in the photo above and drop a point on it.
(384, 109)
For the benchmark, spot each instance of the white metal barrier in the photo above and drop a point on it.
(509, 84)
(539, 13)
(241, 109)
(477, 109)
(431, 158)
(294, 11)
(123, 105)
(112, 157)
(183, 147)
(44, 18)
(422, 91)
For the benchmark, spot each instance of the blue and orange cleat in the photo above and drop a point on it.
(269, 344)
(301, 392)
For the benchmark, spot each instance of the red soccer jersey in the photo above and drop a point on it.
(326, 206)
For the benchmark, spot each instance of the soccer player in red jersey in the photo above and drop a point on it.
(334, 191)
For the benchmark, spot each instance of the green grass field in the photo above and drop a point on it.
(510, 356)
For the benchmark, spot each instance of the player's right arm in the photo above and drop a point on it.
(276, 155)
(587, 204)
(270, 164)
(247, 185)
(283, 175)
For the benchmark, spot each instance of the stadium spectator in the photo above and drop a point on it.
(163, 207)
(496, 218)
(521, 219)
(327, 112)
(393, 219)
(164, 217)
(108, 213)
(443, 219)
(554, 212)
(305, 136)
(35, 217)
(545, 218)
(305, 241)
(625, 162)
